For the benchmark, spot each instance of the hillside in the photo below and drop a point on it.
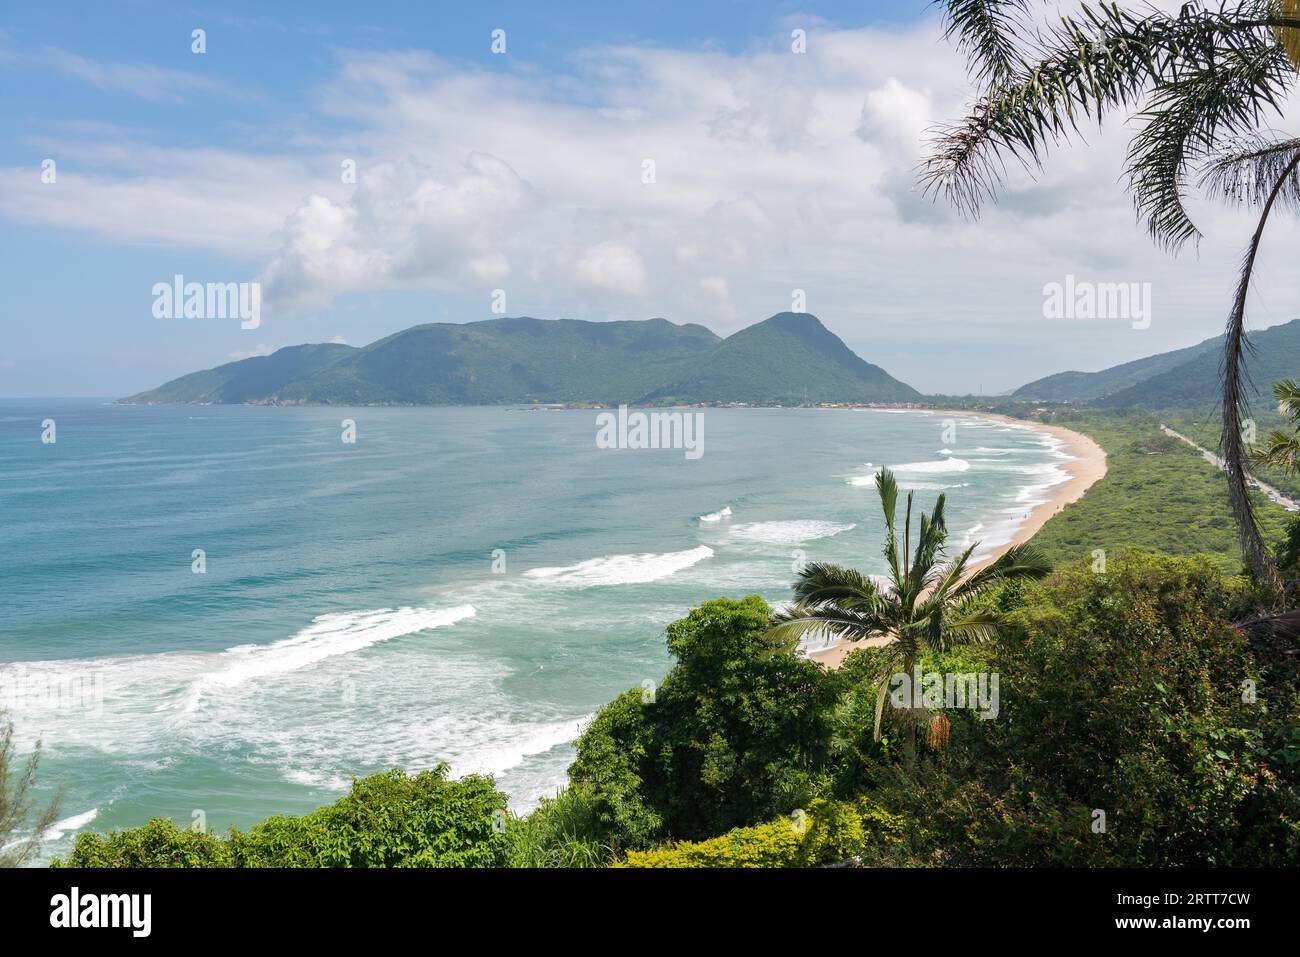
(1184, 378)
(500, 361)
(1087, 386)
(1196, 383)
(781, 360)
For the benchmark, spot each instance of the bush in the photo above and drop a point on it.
(1121, 692)
(160, 843)
(386, 820)
(737, 733)
(829, 832)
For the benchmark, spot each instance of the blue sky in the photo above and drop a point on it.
(522, 172)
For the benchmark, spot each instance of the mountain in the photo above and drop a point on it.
(1184, 378)
(1196, 382)
(248, 379)
(500, 361)
(779, 358)
(1087, 386)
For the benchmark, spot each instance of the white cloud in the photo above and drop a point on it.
(611, 267)
(775, 171)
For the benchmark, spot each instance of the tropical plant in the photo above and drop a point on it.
(1282, 449)
(1204, 81)
(925, 604)
(20, 828)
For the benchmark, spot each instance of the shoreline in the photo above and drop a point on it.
(1086, 467)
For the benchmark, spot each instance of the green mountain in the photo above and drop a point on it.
(500, 361)
(1185, 378)
(248, 379)
(1087, 386)
(1196, 383)
(776, 361)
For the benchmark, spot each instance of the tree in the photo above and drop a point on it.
(926, 603)
(1205, 79)
(20, 829)
(737, 733)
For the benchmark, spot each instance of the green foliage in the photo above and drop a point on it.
(21, 825)
(556, 834)
(737, 733)
(160, 843)
(829, 831)
(1155, 495)
(928, 603)
(386, 820)
(1120, 692)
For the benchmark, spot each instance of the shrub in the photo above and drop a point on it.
(1121, 692)
(830, 831)
(160, 843)
(386, 820)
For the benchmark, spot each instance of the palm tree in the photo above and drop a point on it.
(1204, 81)
(926, 603)
(1283, 449)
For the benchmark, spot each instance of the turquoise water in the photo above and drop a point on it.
(461, 585)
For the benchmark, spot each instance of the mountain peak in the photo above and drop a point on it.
(785, 359)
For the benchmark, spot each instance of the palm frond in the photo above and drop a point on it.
(790, 625)
(969, 625)
(1023, 561)
(1246, 170)
(1287, 393)
(1099, 60)
(1280, 451)
(987, 32)
(887, 488)
(1186, 120)
(823, 582)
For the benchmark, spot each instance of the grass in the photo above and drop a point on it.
(1157, 494)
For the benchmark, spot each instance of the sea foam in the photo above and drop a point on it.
(620, 569)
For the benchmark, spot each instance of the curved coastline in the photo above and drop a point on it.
(1086, 466)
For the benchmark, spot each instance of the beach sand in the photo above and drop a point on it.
(1086, 468)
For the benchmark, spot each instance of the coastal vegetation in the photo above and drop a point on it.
(926, 605)
(1143, 721)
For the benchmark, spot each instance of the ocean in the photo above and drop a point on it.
(220, 613)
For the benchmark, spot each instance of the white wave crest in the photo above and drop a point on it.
(326, 637)
(788, 533)
(724, 512)
(620, 569)
(943, 465)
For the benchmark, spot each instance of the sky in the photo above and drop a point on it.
(613, 161)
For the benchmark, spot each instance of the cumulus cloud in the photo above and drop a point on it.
(611, 267)
(774, 171)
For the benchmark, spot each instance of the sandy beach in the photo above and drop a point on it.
(1086, 466)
